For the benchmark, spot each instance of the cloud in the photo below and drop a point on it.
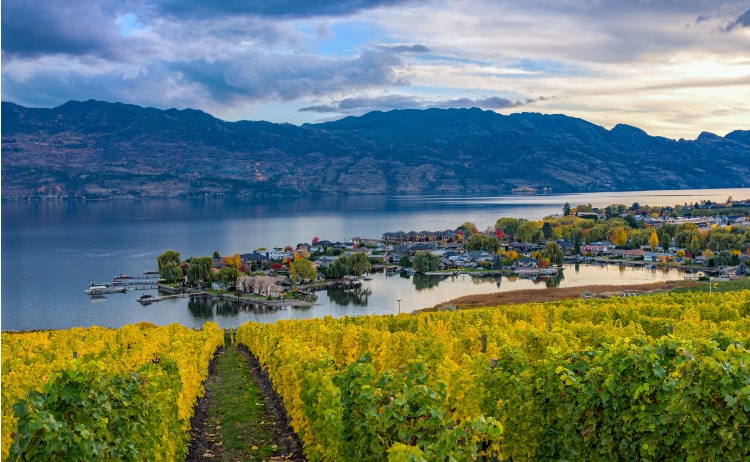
(408, 49)
(742, 21)
(360, 105)
(195, 9)
(32, 29)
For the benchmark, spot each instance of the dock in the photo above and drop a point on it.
(124, 283)
(147, 300)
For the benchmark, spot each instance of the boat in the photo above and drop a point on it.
(96, 288)
(145, 299)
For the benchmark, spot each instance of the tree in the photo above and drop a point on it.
(302, 269)
(664, 240)
(653, 240)
(169, 256)
(216, 254)
(566, 209)
(527, 231)
(339, 268)
(199, 269)
(509, 225)
(695, 245)
(547, 230)
(489, 244)
(425, 261)
(226, 275)
(404, 262)
(468, 228)
(234, 261)
(554, 253)
(171, 272)
(619, 237)
(360, 264)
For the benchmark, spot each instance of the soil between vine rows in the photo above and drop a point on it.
(206, 444)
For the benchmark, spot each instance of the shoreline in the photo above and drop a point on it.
(553, 294)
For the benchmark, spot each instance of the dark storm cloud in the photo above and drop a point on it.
(388, 102)
(201, 9)
(35, 28)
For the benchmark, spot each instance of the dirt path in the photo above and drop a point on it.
(240, 417)
(558, 293)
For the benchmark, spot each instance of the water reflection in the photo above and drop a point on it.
(200, 308)
(207, 308)
(554, 281)
(423, 281)
(358, 296)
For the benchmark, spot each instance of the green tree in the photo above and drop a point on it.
(171, 272)
(339, 268)
(199, 269)
(528, 231)
(404, 262)
(425, 261)
(566, 209)
(302, 269)
(547, 230)
(360, 264)
(169, 256)
(554, 253)
(226, 275)
(216, 254)
(489, 244)
(695, 246)
(509, 225)
(664, 240)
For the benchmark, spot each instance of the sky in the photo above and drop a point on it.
(674, 68)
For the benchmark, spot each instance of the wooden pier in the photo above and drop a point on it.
(147, 300)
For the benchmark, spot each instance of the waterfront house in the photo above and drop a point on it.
(596, 248)
(525, 262)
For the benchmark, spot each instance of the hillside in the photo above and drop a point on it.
(99, 149)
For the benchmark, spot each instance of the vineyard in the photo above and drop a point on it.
(663, 377)
(103, 394)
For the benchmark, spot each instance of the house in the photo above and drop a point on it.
(479, 256)
(651, 256)
(596, 248)
(326, 260)
(631, 254)
(566, 246)
(525, 262)
(445, 263)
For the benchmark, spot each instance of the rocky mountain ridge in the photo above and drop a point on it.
(115, 150)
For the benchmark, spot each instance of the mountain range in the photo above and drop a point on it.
(98, 149)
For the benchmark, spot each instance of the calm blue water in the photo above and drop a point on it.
(52, 250)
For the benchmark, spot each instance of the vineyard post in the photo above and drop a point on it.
(484, 343)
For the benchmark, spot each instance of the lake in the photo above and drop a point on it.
(52, 250)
